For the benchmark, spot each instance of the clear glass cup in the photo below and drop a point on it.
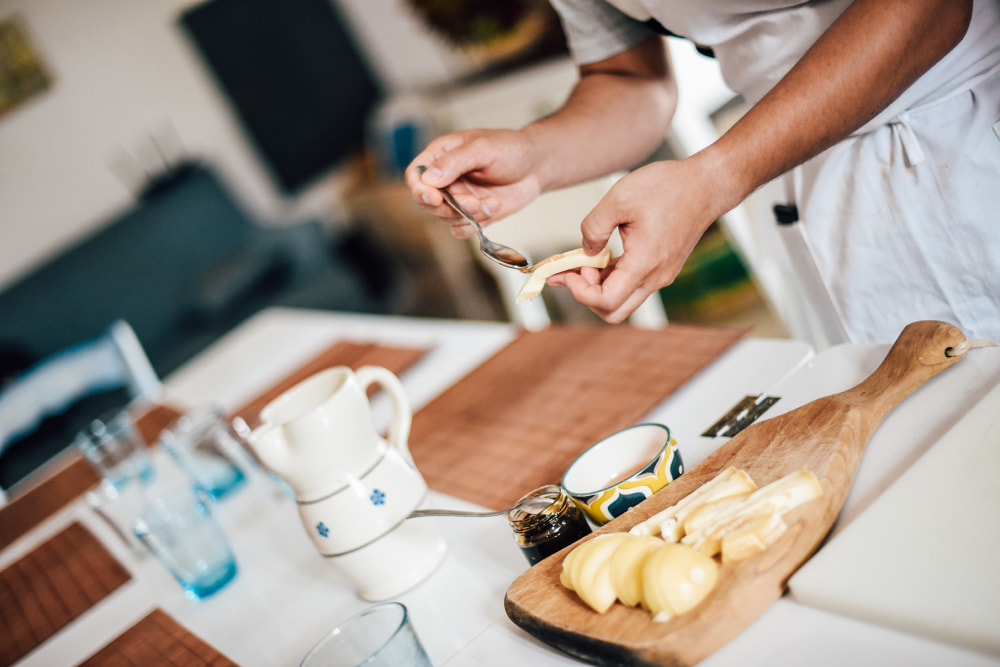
(179, 529)
(201, 442)
(113, 446)
(379, 636)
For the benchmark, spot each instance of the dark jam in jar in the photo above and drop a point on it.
(545, 521)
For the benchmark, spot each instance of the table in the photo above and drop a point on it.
(286, 597)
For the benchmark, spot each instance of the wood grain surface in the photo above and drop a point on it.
(157, 639)
(827, 436)
(50, 586)
(517, 421)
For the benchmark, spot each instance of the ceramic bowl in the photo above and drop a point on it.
(622, 470)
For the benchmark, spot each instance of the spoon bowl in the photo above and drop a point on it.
(497, 252)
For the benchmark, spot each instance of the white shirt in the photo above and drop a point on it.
(902, 220)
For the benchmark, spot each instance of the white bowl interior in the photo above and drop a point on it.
(615, 459)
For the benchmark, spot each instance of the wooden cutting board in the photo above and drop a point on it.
(827, 436)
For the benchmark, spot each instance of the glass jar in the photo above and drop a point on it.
(545, 521)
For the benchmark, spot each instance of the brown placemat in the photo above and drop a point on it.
(69, 482)
(157, 639)
(50, 586)
(517, 421)
(344, 353)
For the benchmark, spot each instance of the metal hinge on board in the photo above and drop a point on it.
(741, 415)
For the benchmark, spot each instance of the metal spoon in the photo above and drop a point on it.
(497, 252)
(529, 505)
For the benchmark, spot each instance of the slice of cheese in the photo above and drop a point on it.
(778, 496)
(675, 579)
(753, 538)
(670, 522)
(626, 567)
(590, 571)
(564, 261)
(705, 513)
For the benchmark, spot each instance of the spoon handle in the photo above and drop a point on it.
(450, 200)
(501, 254)
(415, 514)
(461, 211)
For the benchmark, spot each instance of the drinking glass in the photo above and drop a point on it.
(379, 636)
(201, 442)
(113, 446)
(178, 528)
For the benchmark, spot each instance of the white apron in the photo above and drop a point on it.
(902, 219)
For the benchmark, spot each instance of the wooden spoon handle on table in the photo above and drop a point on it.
(827, 436)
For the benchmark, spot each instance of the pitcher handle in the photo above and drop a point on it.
(402, 417)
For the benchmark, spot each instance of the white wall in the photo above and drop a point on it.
(123, 74)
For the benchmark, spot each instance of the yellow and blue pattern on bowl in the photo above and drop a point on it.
(604, 505)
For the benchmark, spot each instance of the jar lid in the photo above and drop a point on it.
(539, 508)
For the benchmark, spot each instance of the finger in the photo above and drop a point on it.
(603, 303)
(477, 202)
(612, 294)
(598, 226)
(589, 291)
(424, 176)
(622, 313)
(425, 195)
(589, 274)
(451, 165)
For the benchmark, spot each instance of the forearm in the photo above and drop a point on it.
(871, 54)
(616, 115)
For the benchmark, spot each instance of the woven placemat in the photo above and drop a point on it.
(344, 353)
(517, 421)
(50, 586)
(157, 639)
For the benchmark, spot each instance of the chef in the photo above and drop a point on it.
(883, 114)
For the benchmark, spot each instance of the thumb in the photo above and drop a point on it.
(597, 228)
(452, 165)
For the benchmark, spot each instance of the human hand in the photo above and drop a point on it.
(489, 172)
(661, 211)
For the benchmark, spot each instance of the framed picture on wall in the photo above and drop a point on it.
(22, 73)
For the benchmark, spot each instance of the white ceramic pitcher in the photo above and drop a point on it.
(353, 487)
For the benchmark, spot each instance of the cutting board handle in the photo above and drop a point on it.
(922, 350)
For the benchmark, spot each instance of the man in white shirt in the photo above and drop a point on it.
(886, 112)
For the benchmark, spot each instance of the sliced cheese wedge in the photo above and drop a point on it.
(705, 513)
(590, 571)
(626, 567)
(778, 496)
(564, 261)
(670, 522)
(753, 537)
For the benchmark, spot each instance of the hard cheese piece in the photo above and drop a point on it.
(675, 578)
(670, 522)
(564, 261)
(778, 496)
(752, 538)
(626, 567)
(590, 575)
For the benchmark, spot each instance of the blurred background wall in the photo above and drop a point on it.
(129, 92)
